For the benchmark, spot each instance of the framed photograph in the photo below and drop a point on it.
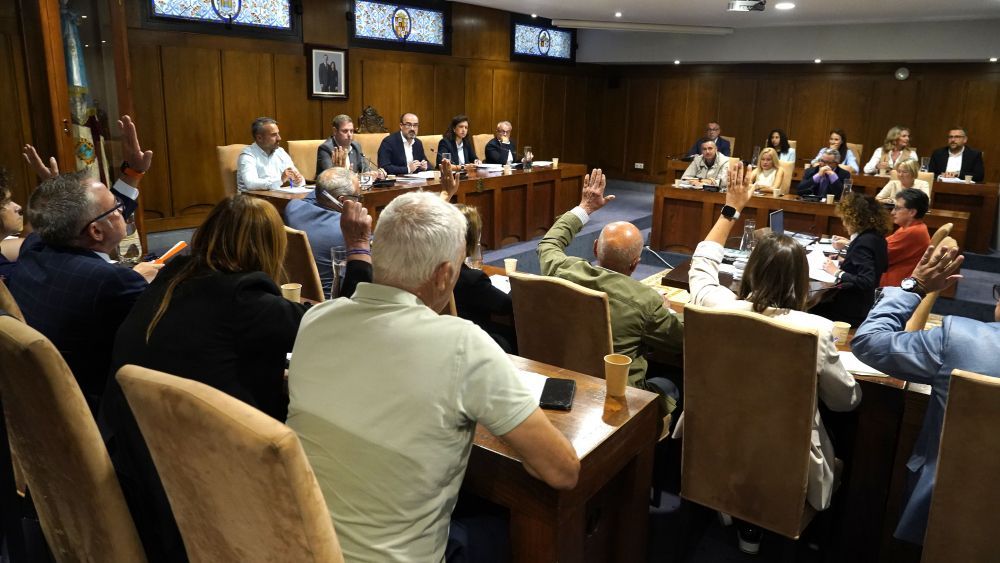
(327, 72)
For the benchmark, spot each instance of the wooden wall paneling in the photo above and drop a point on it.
(531, 88)
(772, 110)
(894, 102)
(810, 102)
(847, 96)
(480, 33)
(595, 114)
(940, 104)
(449, 98)
(981, 116)
(192, 94)
(380, 89)
(704, 97)
(299, 118)
(479, 100)
(642, 103)
(323, 22)
(553, 117)
(608, 141)
(248, 87)
(505, 99)
(578, 121)
(672, 134)
(736, 106)
(416, 93)
(151, 124)
(13, 97)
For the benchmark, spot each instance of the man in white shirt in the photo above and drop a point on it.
(710, 168)
(403, 153)
(500, 149)
(264, 165)
(388, 427)
(957, 160)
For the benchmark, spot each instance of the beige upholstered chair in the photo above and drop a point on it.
(963, 519)
(786, 183)
(370, 142)
(430, 143)
(252, 495)
(303, 154)
(732, 144)
(300, 265)
(746, 447)
(941, 232)
(479, 141)
(793, 144)
(561, 323)
(858, 150)
(8, 304)
(227, 156)
(918, 320)
(72, 482)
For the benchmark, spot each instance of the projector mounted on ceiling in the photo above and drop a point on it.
(746, 5)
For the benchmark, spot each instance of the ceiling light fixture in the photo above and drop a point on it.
(993, 59)
(784, 5)
(534, 15)
(817, 61)
(83, 16)
(618, 14)
(677, 62)
(654, 27)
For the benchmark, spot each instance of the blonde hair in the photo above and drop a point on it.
(891, 136)
(474, 229)
(774, 156)
(910, 166)
(242, 233)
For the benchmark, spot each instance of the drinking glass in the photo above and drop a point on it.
(338, 261)
(475, 260)
(848, 186)
(528, 158)
(446, 156)
(747, 241)
(925, 162)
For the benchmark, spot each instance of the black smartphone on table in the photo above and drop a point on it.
(558, 394)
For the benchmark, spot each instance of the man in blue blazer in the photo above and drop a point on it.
(403, 153)
(712, 132)
(926, 356)
(501, 149)
(65, 281)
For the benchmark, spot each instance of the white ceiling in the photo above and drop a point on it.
(713, 12)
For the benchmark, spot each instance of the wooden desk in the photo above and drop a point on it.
(514, 208)
(604, 518)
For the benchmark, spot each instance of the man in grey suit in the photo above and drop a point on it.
(926, 356)
(343, 140)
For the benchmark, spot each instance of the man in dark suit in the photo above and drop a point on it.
(343, 139)
(826, 177)
(65, 282)
(403, 153)
(712, 132)
(957, 160)
(501, 149)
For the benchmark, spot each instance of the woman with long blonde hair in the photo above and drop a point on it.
(216, 317)
(768, 176)
(894, 149)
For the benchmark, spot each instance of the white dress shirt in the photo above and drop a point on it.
(407, 148)
(955, 162)
(460, 145)
(257, 170)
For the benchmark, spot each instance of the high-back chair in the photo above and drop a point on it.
(252, 495)
(732, 144)
(941, 232)
(430, 143)
(793, 144)
(300, 265)
(786, 183)
(963, 519)
(370, 143)
(918, 320)
(858, 150)
(72, 482)
(227, 156)
(479, 141)
(303, 155)
(8, 304)
(746, 446)
(561, 323)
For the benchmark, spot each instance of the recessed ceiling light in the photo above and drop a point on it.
(993, 59)
(86, 45)
(677, 62)
(83, 17)
(618, 14)
(784, 5)
(817, 61)
(103, 41)
(534, 15)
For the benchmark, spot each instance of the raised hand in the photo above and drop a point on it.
(740, 190)
(450, 179)
(356, 225)
(41, 170)
(339, 157)
(137, 159)
(593, 197)
(936, 269)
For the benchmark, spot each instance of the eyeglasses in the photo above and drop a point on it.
(956, 136)
(713, 129)
(120, 208)
(996, 292)
(409, 125)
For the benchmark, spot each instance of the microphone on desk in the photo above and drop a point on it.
(658, 257)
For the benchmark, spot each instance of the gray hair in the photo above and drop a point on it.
(60, 208)
(834, 152)
(507, 123)
(415, 233)
(258, 125)
(340, 120)
(336, 181)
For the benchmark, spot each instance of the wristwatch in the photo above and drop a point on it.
(729, 212)
(913, 285)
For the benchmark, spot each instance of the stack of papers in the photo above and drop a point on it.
(541, 163)
(500, 282)
(857, 367)
(413, 178)
(426, 175)
(291, 190)
(951, 180)
(490, 166)
(816, 271)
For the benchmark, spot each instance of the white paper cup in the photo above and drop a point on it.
(616, 374)
(510, 265)
(968, 179)
(840, 332)
(292, 292)
(829, 198)
(555, 162)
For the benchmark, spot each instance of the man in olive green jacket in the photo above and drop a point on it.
(640, 319)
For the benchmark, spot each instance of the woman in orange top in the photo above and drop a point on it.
(910, 240)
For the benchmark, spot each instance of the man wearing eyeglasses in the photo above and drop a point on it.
(712, 132)
(403, 153)
(957, 160)
(65, 282)
(926, 356)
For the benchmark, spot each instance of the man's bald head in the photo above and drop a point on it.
(619, 246)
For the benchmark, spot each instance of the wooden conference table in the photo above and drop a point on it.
(514, 207)
(604, 518)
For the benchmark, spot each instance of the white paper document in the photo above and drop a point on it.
(490, 166)
(853, 365)
(291, 190)
(951, 180)
(541, 163)
(500, 282)
(816, 271)
(413, 178)
(426, 175)
(533, 381)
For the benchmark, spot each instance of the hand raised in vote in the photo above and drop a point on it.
(339, 157)
(450, 179)
(356, 225)
(137, 159)
(740, 190)
(936, 269)
(593, 197)
(41, 170)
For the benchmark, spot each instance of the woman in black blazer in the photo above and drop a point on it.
(456, 141)
(867, 259)
(216, 317)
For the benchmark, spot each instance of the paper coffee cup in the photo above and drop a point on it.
(829, 198)
(510, 265)
(840, 332)
(555, 162)
(616, 374)
(968, 179)
(292, 292)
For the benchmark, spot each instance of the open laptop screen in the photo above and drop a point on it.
(778, 222)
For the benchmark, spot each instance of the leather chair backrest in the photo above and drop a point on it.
(748, 416)
(793, 144)
(300, 265)
(942, 232)
(72, 482)
(918, 320)
(252, 495)
(732, 144)
(370, 142)
(479, 141)
(561, 323)
(858, 150)
(786, 183)
(227, 156)
(963, 519)
(303, 155)
(8, 304)
(430, 143)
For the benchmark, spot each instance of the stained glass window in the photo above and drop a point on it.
(398, 23)
(271, 14)
(537, 41)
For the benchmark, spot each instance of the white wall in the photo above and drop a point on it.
(974, 41)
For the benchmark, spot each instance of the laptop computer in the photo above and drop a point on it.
(777, 222)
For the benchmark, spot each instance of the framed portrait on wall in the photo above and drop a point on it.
(327, 72)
